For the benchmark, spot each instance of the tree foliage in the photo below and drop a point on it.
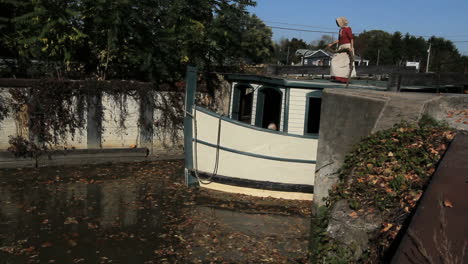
(145, 39)
(285, 50)
(386, 48)
(396, 49)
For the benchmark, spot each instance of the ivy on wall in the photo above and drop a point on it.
(56, 111)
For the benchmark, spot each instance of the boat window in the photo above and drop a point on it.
(246, 99)
(242, 103)
(312, 115)
(268, 107)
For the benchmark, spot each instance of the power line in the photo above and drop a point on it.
(299, 25)
(304, 30)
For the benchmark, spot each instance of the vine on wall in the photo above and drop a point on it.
(56, 111)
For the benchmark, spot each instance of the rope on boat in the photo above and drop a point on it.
(195, 154)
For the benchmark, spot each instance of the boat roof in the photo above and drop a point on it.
(304, 84)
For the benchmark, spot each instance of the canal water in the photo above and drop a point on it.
(136, 213)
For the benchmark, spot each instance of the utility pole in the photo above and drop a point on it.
(378, 57)
(428, 57)
(287, 57)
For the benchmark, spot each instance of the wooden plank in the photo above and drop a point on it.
(438, 232)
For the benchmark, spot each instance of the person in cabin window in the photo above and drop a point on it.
(272, 126)
(340, 63)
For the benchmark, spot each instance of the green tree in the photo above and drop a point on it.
(397, 48)
(415, 48)
(144, 39)
(445, 56)
(322, 42)
(285, 50)
(49, 30)
(374, 45)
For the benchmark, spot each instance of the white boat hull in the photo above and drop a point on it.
(239, 158)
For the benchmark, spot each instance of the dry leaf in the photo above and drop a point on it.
(72, 243)
(353, 215)
(92, 226)
(387, 227)
(70, 220)
(447, 203)
(46, 245)
(390, 154)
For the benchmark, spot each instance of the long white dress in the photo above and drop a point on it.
(340, 64)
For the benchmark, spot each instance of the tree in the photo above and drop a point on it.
(49, 30)
(285, 50)
(322, 42)
(245, 38)
(374, 45)
(415, 49)
(445, 56)
(397, 47)
(256, 43)
(144, 39)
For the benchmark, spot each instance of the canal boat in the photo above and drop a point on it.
(266, 146)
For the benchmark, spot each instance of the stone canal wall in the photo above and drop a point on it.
(349, 115)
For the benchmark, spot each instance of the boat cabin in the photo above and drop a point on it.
(290, 106)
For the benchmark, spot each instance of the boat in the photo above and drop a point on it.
(266, 146)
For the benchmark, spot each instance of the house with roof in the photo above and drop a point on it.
(323, 58)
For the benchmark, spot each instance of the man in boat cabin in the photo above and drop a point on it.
(272, 126)
(340, 70)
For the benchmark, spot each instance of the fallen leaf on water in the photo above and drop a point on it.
(70, 220)
(447, 203)
(72, 243)
(92, 226)
(46, 244)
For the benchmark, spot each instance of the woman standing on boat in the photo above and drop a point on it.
(340, 64)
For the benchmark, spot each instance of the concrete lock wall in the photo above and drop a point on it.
(113, 136)
(350, 115)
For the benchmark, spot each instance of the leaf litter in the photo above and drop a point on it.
(141, 213)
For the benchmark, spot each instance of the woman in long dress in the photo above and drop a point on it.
(340, 64)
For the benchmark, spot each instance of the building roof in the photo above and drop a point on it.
(304, 52)
(307, 53)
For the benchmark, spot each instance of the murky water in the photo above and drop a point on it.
(74, 221)
(131, 214)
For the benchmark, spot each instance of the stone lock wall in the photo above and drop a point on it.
(350, 115)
